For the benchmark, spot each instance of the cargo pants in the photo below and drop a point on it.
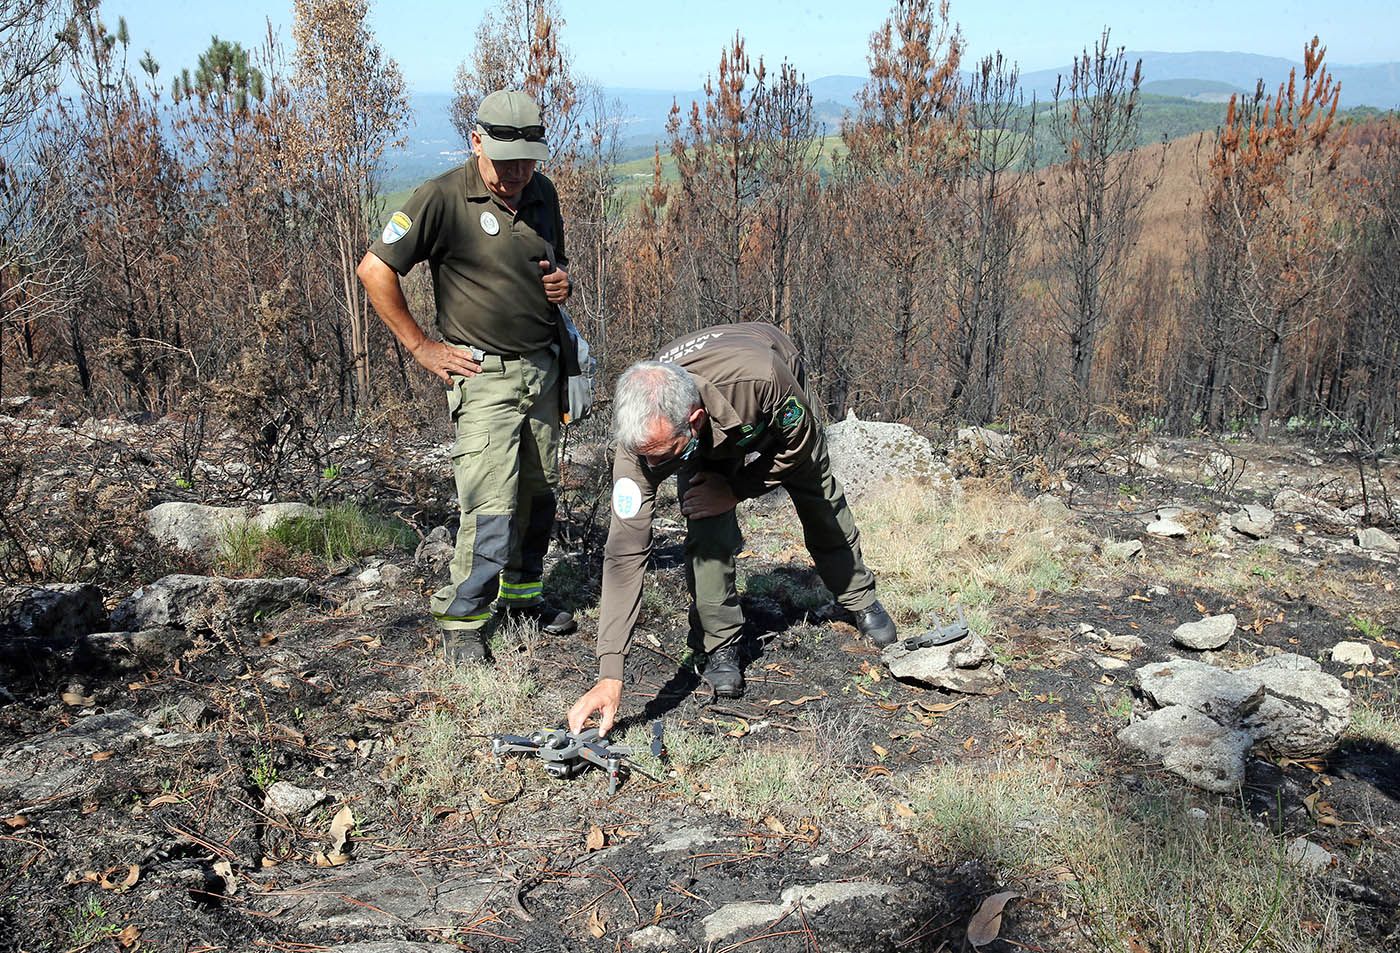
(505, 466)
(828, 529)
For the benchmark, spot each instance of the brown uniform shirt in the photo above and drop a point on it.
(484, 258)
(759, 429)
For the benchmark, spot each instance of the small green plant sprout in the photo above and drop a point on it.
(331, 472)
(1368, 627)
(88, 923)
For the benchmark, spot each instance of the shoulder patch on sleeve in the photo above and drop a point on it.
(790, 413)
(397, 228)
(627, 498)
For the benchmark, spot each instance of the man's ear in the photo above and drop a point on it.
(697, 418)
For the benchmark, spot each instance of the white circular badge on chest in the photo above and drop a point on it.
(627, 498)
(489, 225)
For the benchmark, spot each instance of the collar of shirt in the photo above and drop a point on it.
(722, 416)
(477, 191)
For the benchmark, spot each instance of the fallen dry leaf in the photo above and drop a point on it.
(880, 752)
(341, 826)
(1322, 811)
(888, 706)
(133, 874)
(595, 839)
(16, 822)
(76, 700)
(225, 871)
(739, 730)
(942, 708)
(102, 755)
(165, 799)
(903, 810)
(986, 922)
(967, 745)
(775, 825)
(595, 925)
(129, 936)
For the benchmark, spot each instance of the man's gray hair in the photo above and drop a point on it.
(648, 392)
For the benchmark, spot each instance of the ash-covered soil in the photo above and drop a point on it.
(136, 783)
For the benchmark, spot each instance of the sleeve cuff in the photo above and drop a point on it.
(610, 665)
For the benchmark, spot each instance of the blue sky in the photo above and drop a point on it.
(664, 44)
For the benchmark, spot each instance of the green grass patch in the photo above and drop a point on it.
(302, 544)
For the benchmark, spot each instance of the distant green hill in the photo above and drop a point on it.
(1199, 90)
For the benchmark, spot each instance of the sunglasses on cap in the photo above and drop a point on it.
(512, 133)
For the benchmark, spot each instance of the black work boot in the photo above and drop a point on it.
(875, 624)
(463, 646)
(723, 673)
(544, 616)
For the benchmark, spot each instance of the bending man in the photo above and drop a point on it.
(726, 411)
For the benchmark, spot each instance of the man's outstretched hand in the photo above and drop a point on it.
(444, 360)
(603, 699)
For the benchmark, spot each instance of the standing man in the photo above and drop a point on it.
(493, 235)
(726, 410)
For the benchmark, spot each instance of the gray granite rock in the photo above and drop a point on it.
(867, 455)
(812, 898)
(1209, 633)
(1193, 746)
(207, 602)
(384, 895)
(1254, 521)
(60, 765)
(194, 527)
(126, 651)
(1167, 528)
(1377, 540)
(1293, 501)
(1121, 551)
(1353, 653)
(1286, 709)
(966, 666)
(57, 614)
(655, 938)
(1308, 857)
(287, 799)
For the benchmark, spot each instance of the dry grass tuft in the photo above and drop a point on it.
(928, 551)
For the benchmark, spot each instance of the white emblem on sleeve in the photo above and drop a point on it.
(489, 225)
(397, 227)
(627, 498)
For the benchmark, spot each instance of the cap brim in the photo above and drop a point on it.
(497, 149)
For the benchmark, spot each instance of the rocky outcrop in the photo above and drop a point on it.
(1209, 633)
(207, 602)
(867, 454)
(1210, 718)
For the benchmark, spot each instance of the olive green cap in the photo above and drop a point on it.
(509, 107)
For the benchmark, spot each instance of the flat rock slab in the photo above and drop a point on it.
(1212, 632)
(58, 614)
(384, 895)
(1167, 528)
(684, 839)
(131, 650)
(60, 765)
(206, 602)
(194, 527)
(812, 898)
(966, 666)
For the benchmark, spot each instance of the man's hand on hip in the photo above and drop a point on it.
(709, 494)
(557, 286)
(603, 698)
(444, 360)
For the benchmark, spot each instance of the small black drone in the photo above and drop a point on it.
(567, 755)
(954, 631)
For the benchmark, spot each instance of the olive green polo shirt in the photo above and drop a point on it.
(484, 258)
